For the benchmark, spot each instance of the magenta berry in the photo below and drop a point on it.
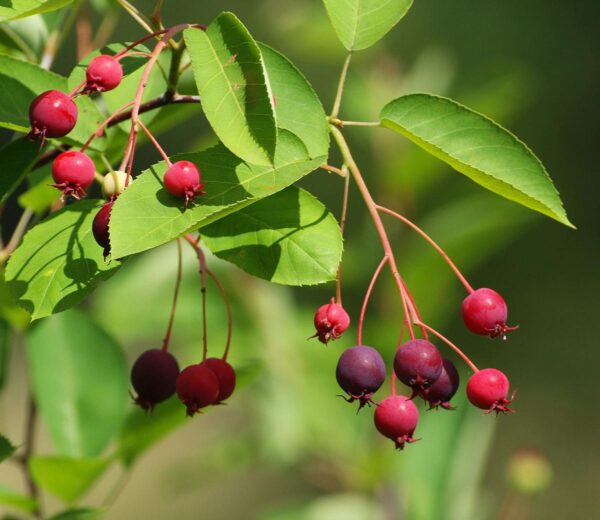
(100, 227)
(197, 387)
(484, 312)
(225, 374)
(418, 364)
(331, 320)
(52, 114)
(103, 73)
(73, 172)
(488, 389)
(182, 180)
(360, 373)
(396, 418)
(444, 388)
(153, 377)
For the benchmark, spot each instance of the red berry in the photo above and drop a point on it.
(360, 373)
(440, 392)
(418, 364)
(52, 114)
(182, 180)
(153, 377)
(396, 418)
(73, 172)
(330, 321)
(488, 389)
(103, 73)
(225, 374)
(484, 312)
(197, 387)
(100, 227)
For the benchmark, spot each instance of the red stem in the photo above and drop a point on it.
(202, 259)
(167, 339)
(338, 284)
(106, 123)
(136, 43)
(451, 345)
(363, 309)
(155, 142)
(227, 308)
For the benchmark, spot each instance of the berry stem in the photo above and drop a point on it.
(155, 143)
(227, 308)
(167, 339)
(338, 278)
(341, 124)
(340, 90)
(431, 242)
(138, 42)
(202, 259)
(363, 309)
(393, 383)
(107, 122)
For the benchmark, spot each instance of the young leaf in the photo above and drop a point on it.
(6, 448)
(297, 106)
(16, 159)
(146, 215)
(477, 147)
(362, 23)
(23, 8)
(66, 477)
(79, 378)
(15, 500)
(58, 262)
(289, 238)
(233, 88)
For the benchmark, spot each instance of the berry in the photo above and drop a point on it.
(182, 180)
(102, 74)
(113, 184)
(330, 321)
(360, 372)
(488, 389)
(396, 418)
(418, 364)
(225, 374)
(484, 312)
(440, 392)
(52, 114)
(73, 172)
(153, 377)
(100, 227)
(197, 387)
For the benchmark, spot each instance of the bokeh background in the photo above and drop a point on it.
(285, 447)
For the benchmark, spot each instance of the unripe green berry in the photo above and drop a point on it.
(114, 183)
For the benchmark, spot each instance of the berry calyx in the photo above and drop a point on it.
(153, 377)
(113, 183)
(418, 364)
(73, 172)
(225, 374)
(484, 312)
(103, 73)
(52, 114)
(396, 418)
(444, 388)
(330, 320)
(182, 180)
(488, 389)
(197, 387)
(100, 227)
(360, 373)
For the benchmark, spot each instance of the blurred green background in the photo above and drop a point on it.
(285, 447)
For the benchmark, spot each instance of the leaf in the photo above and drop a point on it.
(233, 88)
(16, 159)
(58, 262)
(79, 513)
(6, 448)
(146, 215)
(66, 477)
(15, 500)
(39, 197)
(289, 238)
(298, 108)
(23, 8)
(80, 380)
(10, 310)
(477, 147)
(362, 23)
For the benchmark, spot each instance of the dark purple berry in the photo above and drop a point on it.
(484, 312)
(100, 227)
(197, 387)
(103, 73)
(360, 373)
(330, 320)
(73, 172)
(418, 364)
(153, 377)
(440, 392)
(396, 418)
(52, 114)
(225, 374)
(182, 180)
(488, 389)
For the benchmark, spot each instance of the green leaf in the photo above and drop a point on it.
(477, 147)
(15, 500)
(146, 215)
(23, 8)
(10, 310)
(80, 513)
(289, 238)
(80, 379)
(362, 23)
(233, 88)
(298, 108)
(66, 477)
(6, 448)
(58, 262)
(39, 197)
(16, 159)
